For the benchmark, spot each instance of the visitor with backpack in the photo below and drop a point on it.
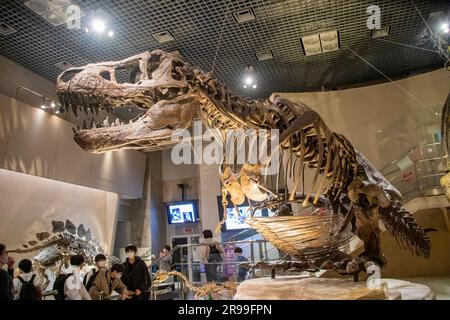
(89, 278)
(6, 282)
(212, 255)
(27, 285)
(136, 277)
(107, 282)
(69, 285)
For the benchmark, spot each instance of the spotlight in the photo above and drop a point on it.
(98, 25)
(53, 105)
(110, 34)
(249, 81)
(86, 29)
(249, 78)
(445, 27)
(44, 104)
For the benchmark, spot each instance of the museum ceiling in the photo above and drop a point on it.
(201, 28)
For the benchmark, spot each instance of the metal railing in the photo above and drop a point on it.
(192, 266)
(417, 172)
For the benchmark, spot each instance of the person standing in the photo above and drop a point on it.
(6, 282)
(212, 255)
(27, 285)
(165, 259)
(73, 286)
(89, 278)
(136, 276)
(242, 272)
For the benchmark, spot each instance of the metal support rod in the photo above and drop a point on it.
(447, 223)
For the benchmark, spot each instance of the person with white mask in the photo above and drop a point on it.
(89, 278)
(6, 283)
(73, 286)
(136, 276)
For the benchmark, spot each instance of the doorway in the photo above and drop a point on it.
(187, 259)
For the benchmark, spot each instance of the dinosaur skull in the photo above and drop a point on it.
(160, 84)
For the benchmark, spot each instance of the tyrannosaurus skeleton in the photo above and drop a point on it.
(171, 93)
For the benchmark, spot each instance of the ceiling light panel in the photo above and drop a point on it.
(244, 15)
(64, 65)
(383, 32)
(329, 41)
(321, 43)
(263, 56)
(6, 30)
(163, 37)
(311, 45)
(52, 11)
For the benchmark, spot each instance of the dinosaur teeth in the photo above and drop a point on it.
(106, 122)
(84, 125)
(117, 122)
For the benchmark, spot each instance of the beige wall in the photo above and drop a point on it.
(401, 263)
(33, 141)
(204, 186)
(28, 204)
(382, 121)
(13, 75)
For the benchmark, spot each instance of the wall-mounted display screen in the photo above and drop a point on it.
(235, 222)
(182, 212)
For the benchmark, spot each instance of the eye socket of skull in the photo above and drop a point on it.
(136, 72)
(68, 75)
(105, 75)
(176, 75)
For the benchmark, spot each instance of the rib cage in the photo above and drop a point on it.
(306, 237)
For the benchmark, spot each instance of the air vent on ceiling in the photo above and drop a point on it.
(163, 37)
(52, 11)
(266, 55)
(64, 65)
(6, 30)
(379, 33)
(320, 43)
(244, 15)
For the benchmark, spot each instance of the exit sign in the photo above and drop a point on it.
(188, 230)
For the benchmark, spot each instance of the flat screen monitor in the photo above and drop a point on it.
(235, 222)
(182, 212)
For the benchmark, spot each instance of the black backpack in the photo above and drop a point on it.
(58, 285)
(90, 283)
(214, 254)
(28, 291)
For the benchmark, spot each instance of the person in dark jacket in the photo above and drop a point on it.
(136, 276)
(6, 282)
